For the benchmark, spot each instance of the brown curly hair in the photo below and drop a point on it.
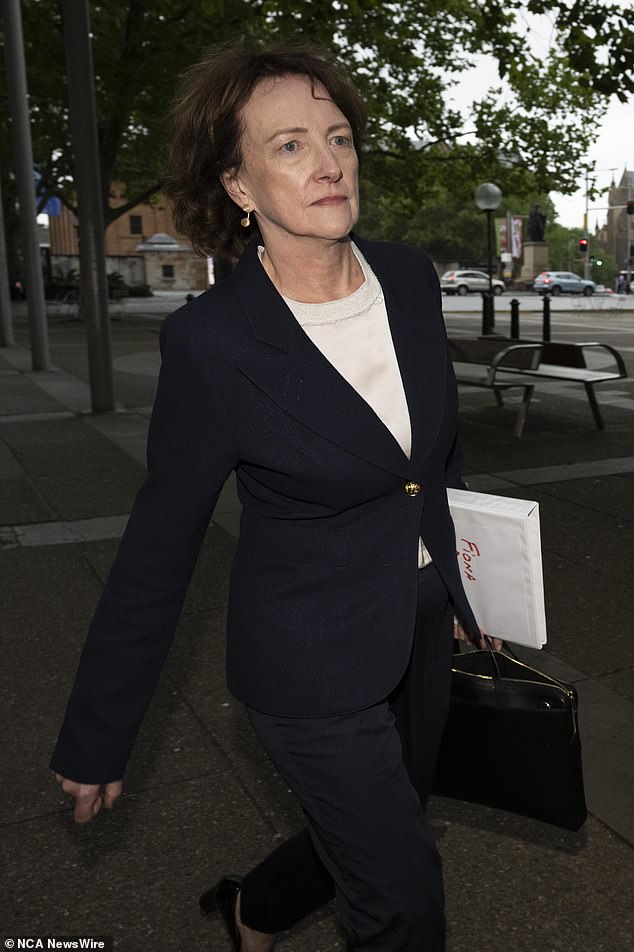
(206, 132)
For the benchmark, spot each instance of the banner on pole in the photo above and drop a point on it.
(516, 237)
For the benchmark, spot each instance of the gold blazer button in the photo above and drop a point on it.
(412, 489)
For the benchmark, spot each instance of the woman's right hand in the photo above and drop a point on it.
(461, 634)
(90, 797)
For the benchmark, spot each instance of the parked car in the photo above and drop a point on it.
(462, 282)
(563, 282)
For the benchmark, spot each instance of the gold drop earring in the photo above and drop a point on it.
(246, 221)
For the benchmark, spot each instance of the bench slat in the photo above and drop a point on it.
(508, 362)
(574, 374)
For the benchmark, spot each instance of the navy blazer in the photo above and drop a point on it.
(323, 587)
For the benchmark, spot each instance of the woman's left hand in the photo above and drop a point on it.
(460, 633)
(90, 797)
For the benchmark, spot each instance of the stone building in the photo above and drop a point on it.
(619, 233)
(142, 245)
(170, 265)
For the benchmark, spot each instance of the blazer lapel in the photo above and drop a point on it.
(418, 333)
(294, 373)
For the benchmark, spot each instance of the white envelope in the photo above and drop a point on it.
(499, 553)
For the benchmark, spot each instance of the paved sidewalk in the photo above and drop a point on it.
(200, 798)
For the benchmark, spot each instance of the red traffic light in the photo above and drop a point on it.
(630, 207)
(583, 246)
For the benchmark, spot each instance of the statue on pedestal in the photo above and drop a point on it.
(536, 224)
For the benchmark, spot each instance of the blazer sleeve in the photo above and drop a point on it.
(453, 466)
(455, 459)
(190, 455)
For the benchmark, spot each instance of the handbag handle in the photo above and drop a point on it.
(506, 649)
(496, 674)
(488, 641)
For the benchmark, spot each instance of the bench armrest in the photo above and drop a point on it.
(620, 363)
(507, 359)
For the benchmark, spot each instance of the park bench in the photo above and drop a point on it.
(557, 361)
(497, 365)
(570, 362)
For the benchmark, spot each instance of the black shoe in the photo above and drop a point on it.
(222, 898)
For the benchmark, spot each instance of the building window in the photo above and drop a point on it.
(168, 270)
(136, 225)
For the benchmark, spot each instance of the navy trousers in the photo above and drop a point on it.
(362, 780)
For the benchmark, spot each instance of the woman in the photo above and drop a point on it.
(318, 371)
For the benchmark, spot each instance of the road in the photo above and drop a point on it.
(573, 303)
(463, 317)
(608, 319)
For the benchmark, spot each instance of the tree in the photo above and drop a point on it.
(563, 254)
(444, 221)
(404, 57)
(606, 271)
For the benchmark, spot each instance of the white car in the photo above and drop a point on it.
(462, 282)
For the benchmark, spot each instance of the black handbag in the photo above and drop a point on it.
(512, 740)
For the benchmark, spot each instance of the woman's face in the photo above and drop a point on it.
(300, 168)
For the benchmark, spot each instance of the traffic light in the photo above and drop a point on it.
(630, 206)
(583, 246)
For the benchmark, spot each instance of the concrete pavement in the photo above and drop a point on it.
(200, 798)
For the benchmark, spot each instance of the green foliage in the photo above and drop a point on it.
(116, 281)
(606, 272)
(404, 57)
(140, 290)
(443, 219)
(587, 26)
(563, 254)
(414, 217)
(563, 248)
(61, 284)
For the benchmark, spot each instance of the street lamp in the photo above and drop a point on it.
(488, 198)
